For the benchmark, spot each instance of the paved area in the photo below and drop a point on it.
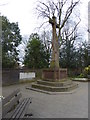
(64, 105)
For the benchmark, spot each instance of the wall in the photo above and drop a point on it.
(10, 76)
(13, 76)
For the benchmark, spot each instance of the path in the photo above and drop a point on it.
(55, 106)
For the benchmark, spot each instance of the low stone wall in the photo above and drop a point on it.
(74, 72)
(10, 76)
(14, 76)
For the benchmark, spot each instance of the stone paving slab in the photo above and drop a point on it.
(43, 105)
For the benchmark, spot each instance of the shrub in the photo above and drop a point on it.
(87, 71)
(81, 75)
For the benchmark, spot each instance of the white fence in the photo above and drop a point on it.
(26, 76)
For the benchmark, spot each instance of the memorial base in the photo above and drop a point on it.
(54, 74)
(54, 81)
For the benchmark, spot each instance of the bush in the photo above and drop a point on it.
(87, 71)
(81, 75)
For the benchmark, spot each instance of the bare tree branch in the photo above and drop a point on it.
(64, 2)
(68, 12)
(75, 27)
(42, 24)
(48, 9)
(43, 9)
(52, 8)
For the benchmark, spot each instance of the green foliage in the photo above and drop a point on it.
(87, 71)
(36, 56)
(11, 39)
(81, 75)
(83, 58)
(67, 54)
(71, 57)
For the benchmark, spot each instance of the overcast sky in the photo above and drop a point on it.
(22, 11)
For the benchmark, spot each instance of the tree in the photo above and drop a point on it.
(11, 39)
(46, 38)
(86, 54)
(58, 13)
(62, 10)
(83, 57)
(68, 51)
(36, 55)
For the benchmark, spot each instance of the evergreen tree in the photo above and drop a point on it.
(68, 54)
(11, 39)
(36, 56)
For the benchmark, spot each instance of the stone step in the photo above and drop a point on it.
(55, 89)
(61, 80)
(56, 84)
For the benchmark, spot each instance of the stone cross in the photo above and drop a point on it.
(55, 47)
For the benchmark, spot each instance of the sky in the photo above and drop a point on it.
(23, 12)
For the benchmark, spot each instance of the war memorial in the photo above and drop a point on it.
(54, 79)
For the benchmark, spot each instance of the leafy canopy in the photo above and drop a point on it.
(11, 39)
(36, 56)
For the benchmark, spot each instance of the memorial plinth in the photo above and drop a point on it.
(54, 81)
(54, 74)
